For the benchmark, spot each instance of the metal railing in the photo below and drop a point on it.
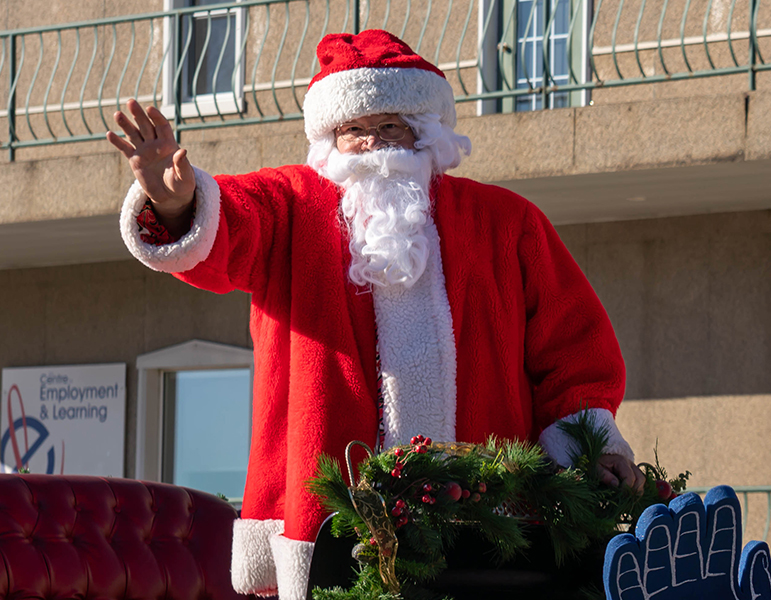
(755, 523)
(250, 62)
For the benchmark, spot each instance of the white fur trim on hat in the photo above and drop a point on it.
(293, 565)
(559, 445)
(253, 570)
(346, 95)
(191, 248)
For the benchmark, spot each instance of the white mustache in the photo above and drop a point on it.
(386, 162)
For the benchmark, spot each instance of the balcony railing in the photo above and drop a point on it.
(250, 62)
(756, 510)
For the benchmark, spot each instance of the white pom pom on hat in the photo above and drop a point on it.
(372, 73)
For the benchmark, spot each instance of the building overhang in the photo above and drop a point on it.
(588, 198)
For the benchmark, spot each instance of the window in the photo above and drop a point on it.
(206, 429)
(532, 20)
(512, 53)
(194, 416)
(204, 67)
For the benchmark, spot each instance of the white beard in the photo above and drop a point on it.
(386, 205)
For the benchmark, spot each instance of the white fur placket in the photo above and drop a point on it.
(417, 354)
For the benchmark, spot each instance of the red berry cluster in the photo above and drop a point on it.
(401, 512)
(664, 488)
(427, 497)
(420, 444)
(455, 492)
(397, 470)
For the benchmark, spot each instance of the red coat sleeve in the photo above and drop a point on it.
(571, 353)
(254, 211)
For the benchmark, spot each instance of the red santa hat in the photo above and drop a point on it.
(372, 73)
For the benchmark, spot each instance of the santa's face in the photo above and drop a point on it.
(385, 205)
(373, 132)
(384, 167)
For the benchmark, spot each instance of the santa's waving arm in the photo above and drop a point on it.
(571, 352)
(187, 210)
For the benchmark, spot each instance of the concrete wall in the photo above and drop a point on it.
(690, 299)
(109, 312)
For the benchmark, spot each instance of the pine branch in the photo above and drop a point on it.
(591, 439)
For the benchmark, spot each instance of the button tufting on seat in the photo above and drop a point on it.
(55, 544)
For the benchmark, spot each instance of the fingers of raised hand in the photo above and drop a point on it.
(163, 128)
(148, 125)
(144, 124)
(128, 127)
(122, 145)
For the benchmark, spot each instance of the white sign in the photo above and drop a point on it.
(63, 419)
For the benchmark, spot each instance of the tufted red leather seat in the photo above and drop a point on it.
(112, 539)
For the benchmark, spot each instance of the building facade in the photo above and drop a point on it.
(640, 129)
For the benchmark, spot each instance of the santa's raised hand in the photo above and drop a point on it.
(157, 161)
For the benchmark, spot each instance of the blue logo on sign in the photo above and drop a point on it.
(22, 455)
(35, 425)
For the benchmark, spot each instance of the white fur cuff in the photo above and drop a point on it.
(293, 565)
(560, 445)
(253, 570)
(191, 248)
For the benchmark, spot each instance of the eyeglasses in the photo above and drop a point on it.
(387, 131)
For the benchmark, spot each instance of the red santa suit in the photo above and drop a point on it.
(513, 337)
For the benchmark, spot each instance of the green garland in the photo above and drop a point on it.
(410, 501)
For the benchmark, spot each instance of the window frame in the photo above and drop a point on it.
(203, 105)
(188, 356)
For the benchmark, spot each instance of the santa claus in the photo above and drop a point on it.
(388, 298)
